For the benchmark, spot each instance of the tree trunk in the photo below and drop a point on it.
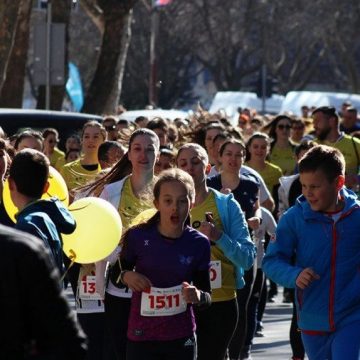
(60, 14)
(13, 88)
(104, 90)
(8, 21)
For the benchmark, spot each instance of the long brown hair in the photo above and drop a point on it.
(166, 176)
(121, 169)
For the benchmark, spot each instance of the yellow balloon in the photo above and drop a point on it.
(57, 187)
(97, 233)
(143, 217)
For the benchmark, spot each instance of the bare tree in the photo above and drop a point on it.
(108, 75)
(13, 88)
(8, 22)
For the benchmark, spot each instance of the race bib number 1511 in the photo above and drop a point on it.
(162, 302)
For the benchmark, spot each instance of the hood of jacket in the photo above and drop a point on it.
(347, 195)
(54, 208)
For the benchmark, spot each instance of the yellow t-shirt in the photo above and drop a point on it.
(75, 175)
(56, 158)
(271, 175)
(130, 206)
(346, 145)
(228, 286)
(284, 159)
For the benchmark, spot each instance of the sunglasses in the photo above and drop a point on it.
(282, 127)
(52, 141)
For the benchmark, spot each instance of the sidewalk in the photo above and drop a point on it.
(275, 344)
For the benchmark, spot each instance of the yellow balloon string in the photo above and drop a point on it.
(72, 257)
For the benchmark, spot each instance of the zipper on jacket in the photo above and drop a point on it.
(332, 278)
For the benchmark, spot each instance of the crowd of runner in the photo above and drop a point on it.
(187, 281)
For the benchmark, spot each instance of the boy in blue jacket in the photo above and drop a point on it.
(46, 219)
(323, 229)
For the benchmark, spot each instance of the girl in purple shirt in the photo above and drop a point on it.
(168, 256)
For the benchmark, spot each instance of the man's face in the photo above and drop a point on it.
(349, 118)
(321, 125)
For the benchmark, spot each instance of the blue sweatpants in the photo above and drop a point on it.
(343, 344)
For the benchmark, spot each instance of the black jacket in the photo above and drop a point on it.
(35, 316)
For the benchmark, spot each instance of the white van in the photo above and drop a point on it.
(230, 101)
(294, 100)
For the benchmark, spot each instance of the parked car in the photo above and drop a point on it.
(14, 120)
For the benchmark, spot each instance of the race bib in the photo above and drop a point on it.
(215, 274)
(162, 302)
(87, 288)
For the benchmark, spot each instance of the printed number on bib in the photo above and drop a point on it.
(162, 302)
(87, 288)
(215, 274)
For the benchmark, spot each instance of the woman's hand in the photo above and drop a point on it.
(210, 230)
(136, 281)
(190, 293)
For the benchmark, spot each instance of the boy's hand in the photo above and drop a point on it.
(306, 277)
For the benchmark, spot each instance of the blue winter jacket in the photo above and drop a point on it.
(235, 241)
(47, 219)
(332, 250)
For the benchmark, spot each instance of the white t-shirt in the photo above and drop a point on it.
(268, 226)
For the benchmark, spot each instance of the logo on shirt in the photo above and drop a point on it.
(185, 260)
(146, 242)
(273, 238)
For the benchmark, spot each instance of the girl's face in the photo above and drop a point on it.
(164, 162)
(72, 143)
(232, 158)
(173, 204)
(190, 161)
(50, 142)
(30, 143)
(282, 129)
(210, 134)
(92, 139)
(143, 153)
(72, 156)
(259, 149)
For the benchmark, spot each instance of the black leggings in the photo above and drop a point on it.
(253, 307)
(215, 327)
(93, 326)
(296, 343)
(243, 296)
(180, 349)
(117, 312)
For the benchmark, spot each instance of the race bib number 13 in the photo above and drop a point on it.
(87, 289)
(162, 302)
